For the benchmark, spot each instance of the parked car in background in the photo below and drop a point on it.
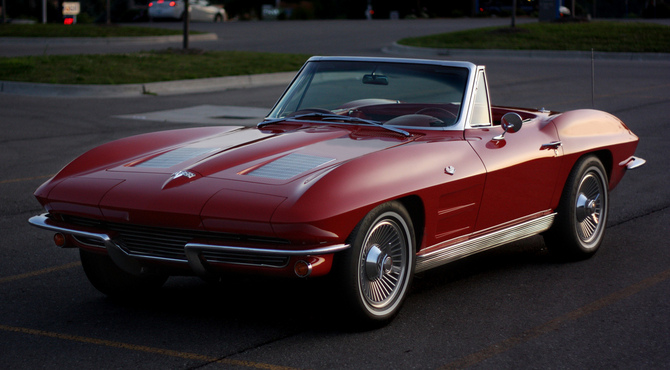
(366, 169)
(200, 10)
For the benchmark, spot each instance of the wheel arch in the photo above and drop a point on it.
(605, 157)
(416, 209)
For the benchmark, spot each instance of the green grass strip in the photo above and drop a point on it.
(601, 36)
(143, 67)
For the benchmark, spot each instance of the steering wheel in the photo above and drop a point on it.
(448, 117)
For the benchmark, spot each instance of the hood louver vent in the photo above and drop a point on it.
(289, 166)
(174, 157)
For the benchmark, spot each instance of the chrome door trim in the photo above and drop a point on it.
(479, 244)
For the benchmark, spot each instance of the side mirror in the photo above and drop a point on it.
(511, 122)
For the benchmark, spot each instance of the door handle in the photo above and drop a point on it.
(553, 145)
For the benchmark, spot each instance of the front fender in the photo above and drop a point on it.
(328, 208)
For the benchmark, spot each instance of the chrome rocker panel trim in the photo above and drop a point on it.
(482, 243)
(131, 264)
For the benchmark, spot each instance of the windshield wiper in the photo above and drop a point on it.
(335, 117)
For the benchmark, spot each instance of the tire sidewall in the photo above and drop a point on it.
(565, 239)
(351, 272)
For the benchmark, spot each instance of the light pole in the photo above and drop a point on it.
(186, 24)
(4, 17)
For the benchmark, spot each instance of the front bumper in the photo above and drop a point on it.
(200, 256)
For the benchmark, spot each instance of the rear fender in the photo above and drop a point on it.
(584, 132)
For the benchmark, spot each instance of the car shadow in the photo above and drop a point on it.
(287, 304)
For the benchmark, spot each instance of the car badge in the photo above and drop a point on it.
(179, 174)
(450, 170)
(176, 175)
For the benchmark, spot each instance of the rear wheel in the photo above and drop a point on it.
(582, 213)
(114, 282)
(377, 270)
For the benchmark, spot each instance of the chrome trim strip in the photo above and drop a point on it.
(633, 163)
(307, 252)
(484, 242)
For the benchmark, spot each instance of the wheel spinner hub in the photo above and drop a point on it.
(586, 208)
(377, 263)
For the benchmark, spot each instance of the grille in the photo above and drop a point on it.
(158, 242)
(245, 258)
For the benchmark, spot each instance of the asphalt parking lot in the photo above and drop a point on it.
(508, 308)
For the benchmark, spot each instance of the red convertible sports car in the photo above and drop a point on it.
(366, 169)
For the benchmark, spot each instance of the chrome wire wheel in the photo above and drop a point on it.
(589, 206)
(581, 216)
(383, 263)
(375, 273)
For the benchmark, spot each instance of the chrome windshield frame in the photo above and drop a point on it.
(468, 92)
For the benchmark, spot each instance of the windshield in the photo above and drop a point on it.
(400, 94)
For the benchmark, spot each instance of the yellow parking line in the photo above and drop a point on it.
(133, 347)
(39, 272)
(549, 326)
(25, 179)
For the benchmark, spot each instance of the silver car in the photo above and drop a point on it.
(200, 10)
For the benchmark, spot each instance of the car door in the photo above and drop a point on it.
(521, 169)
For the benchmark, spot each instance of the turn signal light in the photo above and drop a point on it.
(60, 240)
(302, 268)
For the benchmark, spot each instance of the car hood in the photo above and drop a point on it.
(241, 174)
(261, 156)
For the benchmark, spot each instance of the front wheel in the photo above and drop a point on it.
(377, 270)
(582, 212)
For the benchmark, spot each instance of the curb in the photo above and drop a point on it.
(105, 40)
(152, 88)
(550, 54)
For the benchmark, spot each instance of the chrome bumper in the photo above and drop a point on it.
(194, 251)
(632, 163)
